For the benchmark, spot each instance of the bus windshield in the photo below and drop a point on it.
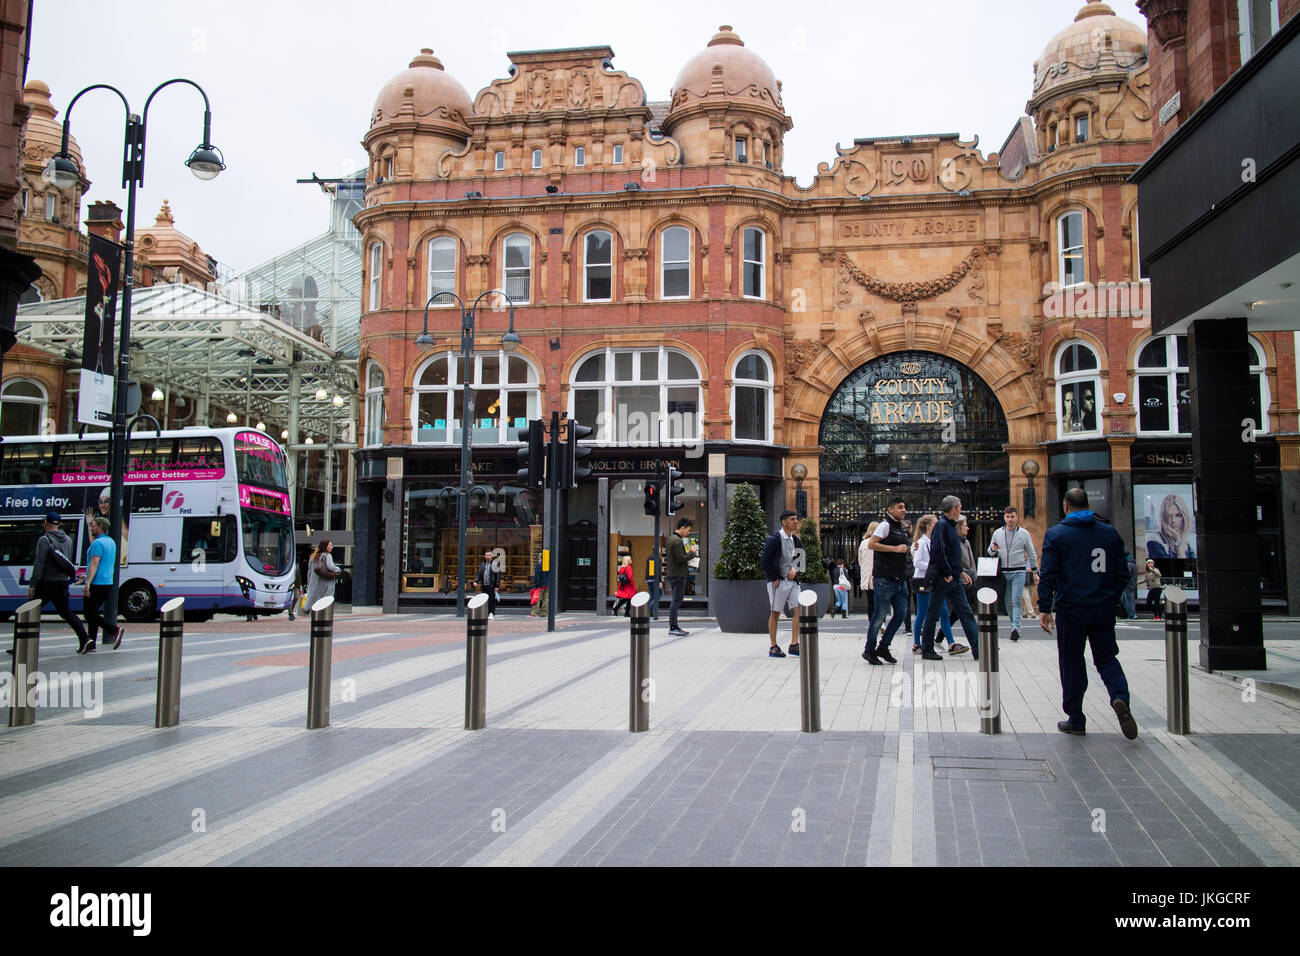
(268, 541)
(260, 461)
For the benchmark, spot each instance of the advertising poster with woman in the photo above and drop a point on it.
(1165, 532)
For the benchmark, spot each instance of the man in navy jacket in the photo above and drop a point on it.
(944, 579)
(1082, 574)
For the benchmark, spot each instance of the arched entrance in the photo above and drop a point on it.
(915, 424)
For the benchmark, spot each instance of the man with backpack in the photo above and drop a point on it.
(52, 571)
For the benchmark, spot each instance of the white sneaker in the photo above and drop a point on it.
(492, 617)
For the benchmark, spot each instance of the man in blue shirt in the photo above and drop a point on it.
(947, 581)
(1083, 572)
(99, 581)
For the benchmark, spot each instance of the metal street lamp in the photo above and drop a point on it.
(206, 163)
(509, 341)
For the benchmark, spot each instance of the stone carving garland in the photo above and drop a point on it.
(909, 292)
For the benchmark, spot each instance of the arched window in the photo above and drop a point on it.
(503, 397)
(754, 243)
(376, 274)
(1078, 391)
(442, 270)
(598, 267)
(517, 267)
(751, 398)
(374, 404)
(23, 405)
(675, 264)
(628, 393)
(1069, 238)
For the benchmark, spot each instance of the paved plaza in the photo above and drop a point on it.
(899, 775)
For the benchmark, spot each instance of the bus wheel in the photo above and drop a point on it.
(139, 602)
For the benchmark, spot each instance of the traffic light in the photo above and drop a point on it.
(651, 505)
(674, 491)
(532, 456)
(575, 453)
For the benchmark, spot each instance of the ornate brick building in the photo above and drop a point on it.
(923, 319)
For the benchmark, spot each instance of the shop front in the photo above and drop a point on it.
(1153, 505)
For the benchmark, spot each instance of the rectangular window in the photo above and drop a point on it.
(753, 265)
(589, 407)
(537, 159)
(1071, 245)
(51, 206)
(751, 414)
(27, 464)
(1257, 21)
(1081, 129)
(618, 154)
(599, 284)
(1153, 403)
(676, 264)
(442, 269)
(18, 539)
(376, 272)
(375, 418)
(518, 268)
(580, 156)
(388, 168)
(499, 162)
(213, 537)
(742, 149)
(24, 202)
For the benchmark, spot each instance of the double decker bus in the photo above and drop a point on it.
(207, 516)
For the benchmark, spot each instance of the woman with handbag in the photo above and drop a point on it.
(626, 587)
(321, 574)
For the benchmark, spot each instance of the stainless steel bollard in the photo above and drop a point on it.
(1177, 699)
(990, 702)
(639, 684)
(476, 662)
(167, 707)
(27, 645)
(319, 659)
(810, 684)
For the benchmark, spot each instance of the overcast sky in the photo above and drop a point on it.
(292, 84)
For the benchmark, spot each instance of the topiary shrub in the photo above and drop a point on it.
(742, 543)
(812, 549)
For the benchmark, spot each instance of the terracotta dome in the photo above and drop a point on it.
(164, 246)
(1097, 44)
(44, 131)
(436, 97)
(744, 74)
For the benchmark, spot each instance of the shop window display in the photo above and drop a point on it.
(500, 516)
(631, 532)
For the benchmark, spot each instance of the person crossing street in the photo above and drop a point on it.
(1013, 546)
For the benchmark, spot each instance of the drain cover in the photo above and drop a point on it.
(992, 768)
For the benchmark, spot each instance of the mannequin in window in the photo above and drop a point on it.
(1175, 531)
(1070, 421)
(1088, 414)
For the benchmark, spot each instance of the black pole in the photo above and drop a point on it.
(117, 485)
(466, 356)
(656, 555)
(553, 482)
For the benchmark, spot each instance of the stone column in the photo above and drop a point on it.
(716, 503)
(1223, 464)
(1121, 490)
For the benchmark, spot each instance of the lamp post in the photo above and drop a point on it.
(508, 342)
(206, 163)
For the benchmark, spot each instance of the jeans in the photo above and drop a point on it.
(1015, 592)
(1153, 601)
(890, 593)
(941, 592)
(922, 606)
(842, 599)
(678, 586)
(1126, 598)
(1070, 638)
